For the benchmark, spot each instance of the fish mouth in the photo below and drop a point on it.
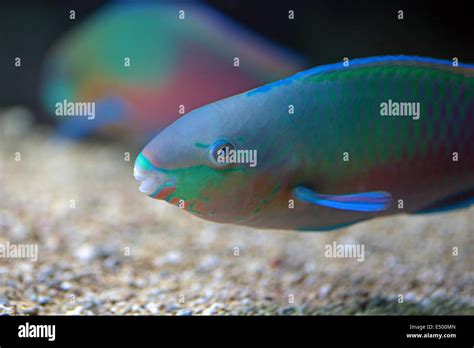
(152, 182)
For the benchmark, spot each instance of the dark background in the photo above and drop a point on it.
(323, 32)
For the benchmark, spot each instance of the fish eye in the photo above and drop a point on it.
(218, 152)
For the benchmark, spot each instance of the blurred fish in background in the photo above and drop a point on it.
(145, 64)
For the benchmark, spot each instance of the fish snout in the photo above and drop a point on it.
(152, 182)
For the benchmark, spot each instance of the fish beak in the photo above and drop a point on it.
(152, 182)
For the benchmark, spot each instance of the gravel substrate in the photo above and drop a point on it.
(105, 248)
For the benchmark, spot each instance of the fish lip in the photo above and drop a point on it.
(152, 182)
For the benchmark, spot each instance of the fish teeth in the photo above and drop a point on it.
(150, 181)
(139, 174)
(149, 185)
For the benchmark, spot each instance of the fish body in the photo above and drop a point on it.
(335, 145)
(145, 64)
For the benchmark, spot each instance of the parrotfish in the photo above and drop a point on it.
(334, 145)
(145, 64)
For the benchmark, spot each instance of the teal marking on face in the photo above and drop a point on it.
(201, 145)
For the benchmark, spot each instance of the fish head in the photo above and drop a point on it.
(212, 163)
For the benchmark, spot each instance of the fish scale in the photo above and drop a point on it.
(420, 129)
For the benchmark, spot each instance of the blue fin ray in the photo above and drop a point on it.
(373, 201)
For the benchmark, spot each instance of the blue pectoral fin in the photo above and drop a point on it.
(374, 201)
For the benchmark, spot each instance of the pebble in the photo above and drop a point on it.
(111, 263)
(173, 257)
(44, 274)
(439, 293)
(310, 267)
(208, 263)
(119, 294)
(410, 296)
(171, 307)
(139, 283)
(246, 302)
(184, 312)
(208, 293)
(214, 309)
(76, 311)
(285, 311)
(426, 302)
(30, 310)
(324, 291)
(90, 301)
(65, 286)
(85, 253)
(201, 300)
(43, 300)
(135, 308)
(4, 310)
(152, 308)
